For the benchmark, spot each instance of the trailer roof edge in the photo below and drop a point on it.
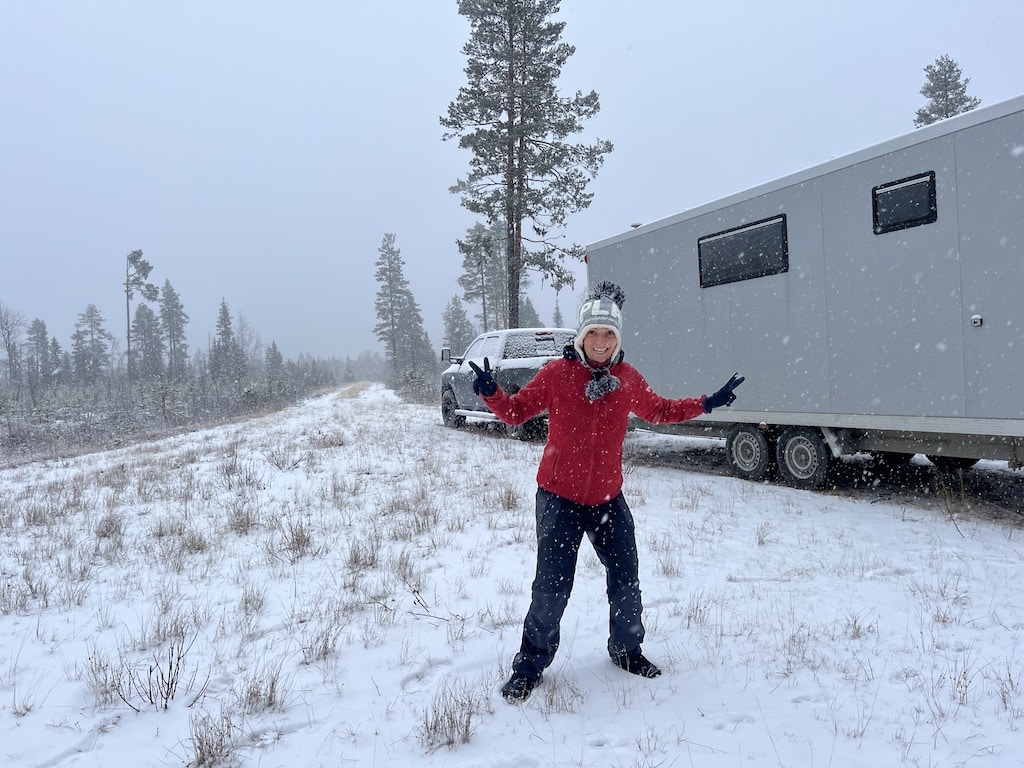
(935, 130)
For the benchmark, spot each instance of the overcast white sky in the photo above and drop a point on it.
(257, 151)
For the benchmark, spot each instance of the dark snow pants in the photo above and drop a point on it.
(560, 527)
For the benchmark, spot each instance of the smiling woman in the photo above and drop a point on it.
(589, 394)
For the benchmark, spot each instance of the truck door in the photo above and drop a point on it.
(485, 346)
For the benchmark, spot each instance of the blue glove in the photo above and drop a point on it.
(724, 396)
(484, 384)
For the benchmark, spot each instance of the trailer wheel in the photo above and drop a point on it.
(750, 453)
(804, 459)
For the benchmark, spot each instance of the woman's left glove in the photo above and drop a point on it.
(484, 384)
(724, 396)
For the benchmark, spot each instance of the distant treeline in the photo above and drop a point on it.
(56, 401)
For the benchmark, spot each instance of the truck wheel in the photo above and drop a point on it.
(804, 459)
(534, 429)
(952, 463)
(751, 455)
(448, 406)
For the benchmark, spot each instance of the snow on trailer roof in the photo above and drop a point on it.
(917, 136)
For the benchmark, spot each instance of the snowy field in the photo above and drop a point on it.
(342, 584)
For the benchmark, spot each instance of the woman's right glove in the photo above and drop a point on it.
(484, 384)
(724, 396)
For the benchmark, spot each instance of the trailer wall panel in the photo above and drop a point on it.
(895, 337)
(871, 327)
(990, 188)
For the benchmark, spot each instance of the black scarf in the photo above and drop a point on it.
(602, 382)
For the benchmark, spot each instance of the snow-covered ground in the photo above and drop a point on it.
(342, 584)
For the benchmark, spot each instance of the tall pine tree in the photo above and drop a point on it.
(277, 380)
(90, 347)
(946, 91)
(173, 320)
(11, 325)
(458, 330)
(556, 319)
(63, 364)
(524, 174)
(38, 363)
(483, 277)
(136, 273)
(400, 323)
(227, 358)
(147, 356)
(528, 316)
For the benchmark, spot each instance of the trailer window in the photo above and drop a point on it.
(743, 253)
(909, 202)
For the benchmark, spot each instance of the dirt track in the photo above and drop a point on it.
(990, 488)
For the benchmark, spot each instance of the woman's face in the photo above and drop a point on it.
(598, 344)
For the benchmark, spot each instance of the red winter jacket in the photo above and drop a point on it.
(582, 460)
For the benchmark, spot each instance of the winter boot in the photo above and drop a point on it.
(518, 688)
(635, 663)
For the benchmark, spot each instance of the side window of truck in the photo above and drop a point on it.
(490, 347)
(744, 253)
(904, 203)
(486, 346)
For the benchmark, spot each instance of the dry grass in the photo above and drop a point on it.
(201, 556)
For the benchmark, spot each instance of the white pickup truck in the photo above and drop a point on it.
(515, 356)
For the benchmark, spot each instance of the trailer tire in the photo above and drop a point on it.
(750, 452)
(803, 458)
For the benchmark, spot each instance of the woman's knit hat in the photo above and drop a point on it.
(601, 309)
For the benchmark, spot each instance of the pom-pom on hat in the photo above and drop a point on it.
(601, 309)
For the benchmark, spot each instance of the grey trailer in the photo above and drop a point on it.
(874, 303)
